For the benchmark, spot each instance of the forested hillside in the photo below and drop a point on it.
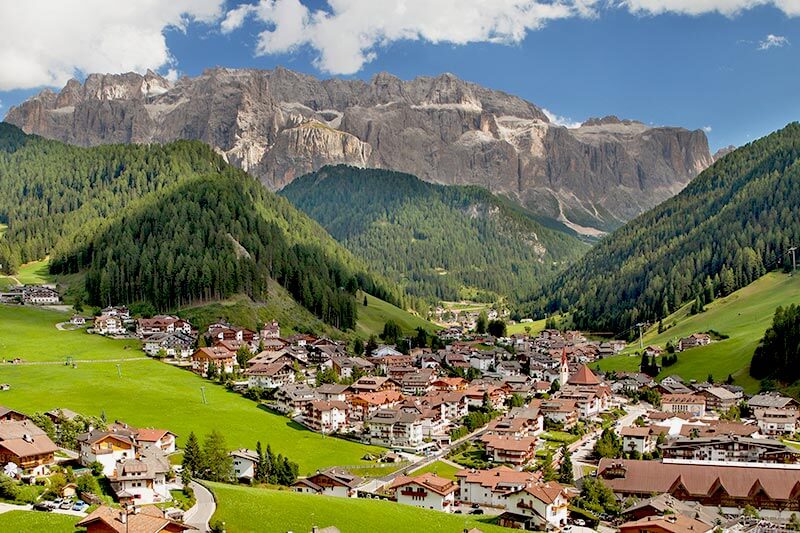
(169, 225)
(439, 242)
(778, 354)
(731, 224)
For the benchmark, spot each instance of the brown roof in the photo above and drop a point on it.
(215, 352)
(151, 435)
(148, 519)
(719, 428)
(648, 477)
(24, 439)
(685, 399)
(545, 492)
(674, 523)
(584, 376)
(501, 475)
(430, 481)
(522, 444)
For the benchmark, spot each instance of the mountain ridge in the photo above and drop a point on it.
(280, 124)
(436, 241)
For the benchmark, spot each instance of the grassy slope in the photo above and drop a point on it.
(149, 393)
(245, 509)
(743, 315)
(29, 521)
(439, 468)
(30, 333)
(536, 327)
(243, 311)
(372, 318)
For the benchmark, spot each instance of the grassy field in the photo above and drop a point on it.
(377, 312)
(148, 393)
(439, 468)
(743, 316)
(245, 509)
(535, 327)
(30, 334)
(30, 521)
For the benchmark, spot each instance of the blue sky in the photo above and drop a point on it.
(708, 70)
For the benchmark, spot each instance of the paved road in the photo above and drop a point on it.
(75, 361)
(202, 511)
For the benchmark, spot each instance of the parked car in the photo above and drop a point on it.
(79, 506)
(580, 522)
(476, 506)
(41, 506)
(476, 511)
(66, 505)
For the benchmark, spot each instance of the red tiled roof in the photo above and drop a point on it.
(584, 376)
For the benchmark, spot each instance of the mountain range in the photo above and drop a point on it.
(279, 125)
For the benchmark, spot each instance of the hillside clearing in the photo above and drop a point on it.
(743, 315)
(377, 312)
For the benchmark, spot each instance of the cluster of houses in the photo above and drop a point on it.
(705, 460)
(135, 460)
(31, 295)
(413, 401)
(525, 501)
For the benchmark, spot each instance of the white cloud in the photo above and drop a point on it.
(46, 42)
(773, 41)
(349, 33)
(559, 120)
(707, 129)
(699, 7)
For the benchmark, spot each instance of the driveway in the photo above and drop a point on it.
(202, 511)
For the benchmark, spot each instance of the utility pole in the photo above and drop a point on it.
(119, 370)
(641, 343)
(203, 394)
(794, 262)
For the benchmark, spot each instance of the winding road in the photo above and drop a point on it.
(200, 514)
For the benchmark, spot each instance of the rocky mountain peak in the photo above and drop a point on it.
(279, 124)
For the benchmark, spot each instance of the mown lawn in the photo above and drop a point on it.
(29, 333)
(245, 509)
(148, 393)
(31, 521)
(35, 272)
(377, 312)
(439, 468)
(743, 316)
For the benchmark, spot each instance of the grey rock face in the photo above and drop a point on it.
(280, 124)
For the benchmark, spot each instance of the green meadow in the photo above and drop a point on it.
(376, 313)
(743, 316)
(245, 510)
(144, 392)
(30, 333)
(31, 521)
(440, 468)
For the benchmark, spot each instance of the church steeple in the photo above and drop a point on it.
(564, 375)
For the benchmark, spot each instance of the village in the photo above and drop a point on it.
(537, 438)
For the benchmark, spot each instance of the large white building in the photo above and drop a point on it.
(488, 487)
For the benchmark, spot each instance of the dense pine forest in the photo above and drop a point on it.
(168, 225)
(728, 227)
(778, 355)
(439, 242)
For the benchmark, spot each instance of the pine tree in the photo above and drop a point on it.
(191, 455)
(217, 463)
(565, 474)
